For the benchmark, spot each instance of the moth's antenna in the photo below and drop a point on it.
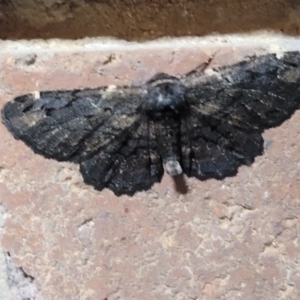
(200, 69)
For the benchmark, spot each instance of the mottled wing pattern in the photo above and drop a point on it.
(99, 128)
(229, 110)
(216, 151)
(72, 125)
(126, 166)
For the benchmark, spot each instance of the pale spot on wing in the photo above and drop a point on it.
(109, 91)
(36, 95)
(31, 119)
(291, 75)
(111, 87)
(208, 108)
(212, 72)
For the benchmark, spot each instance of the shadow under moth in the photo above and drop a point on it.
(202, 125)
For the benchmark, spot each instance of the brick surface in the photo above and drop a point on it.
(231, 239)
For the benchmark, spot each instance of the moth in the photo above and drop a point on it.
(202, 125)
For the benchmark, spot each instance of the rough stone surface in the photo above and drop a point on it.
(4, 287)
(21, 285)
(231, 239)
(144, 19)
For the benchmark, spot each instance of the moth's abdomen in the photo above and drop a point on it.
(167, 131)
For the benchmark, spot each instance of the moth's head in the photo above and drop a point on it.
(164, 92)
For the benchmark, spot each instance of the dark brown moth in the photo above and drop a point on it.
(204, 126)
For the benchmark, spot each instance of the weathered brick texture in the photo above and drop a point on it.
(231, 239)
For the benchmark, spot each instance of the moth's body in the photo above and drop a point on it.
(199, 125)
(167, 130)
(165, 106)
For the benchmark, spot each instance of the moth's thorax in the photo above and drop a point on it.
(166, 94)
